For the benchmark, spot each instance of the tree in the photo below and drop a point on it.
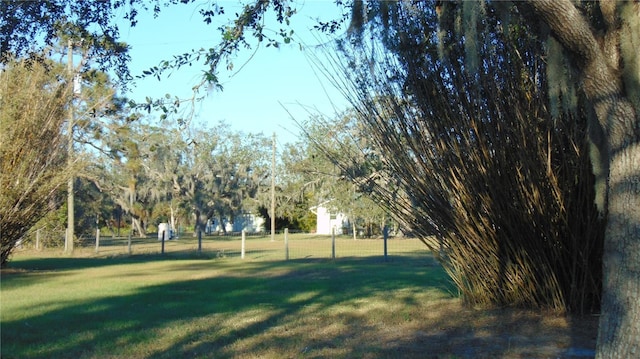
(29, 27)
(154, 162)
(140, 165)
(331, 156)
(224, 173)
(92, 207)
(600, 40)
(89, 101)
(471, 153)
(607, 58)
(33, 147)
(165, 169)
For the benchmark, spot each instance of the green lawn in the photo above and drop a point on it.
(152, 306)
(212, 304)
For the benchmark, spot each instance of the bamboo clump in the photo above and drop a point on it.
(478, 162)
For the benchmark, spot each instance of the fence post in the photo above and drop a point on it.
(199, 240)
(38, 239)
(333, 243)
(129, 242)
(162, 245)
(385, 236)
(97, 240)
(286, 243)
(244, 238)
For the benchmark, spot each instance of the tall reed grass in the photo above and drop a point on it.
(478, 160)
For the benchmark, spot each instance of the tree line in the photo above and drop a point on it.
(134, 170)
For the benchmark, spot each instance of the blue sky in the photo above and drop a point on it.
(253, 98)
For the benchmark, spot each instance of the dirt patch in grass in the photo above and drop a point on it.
(450, 330)
(444, 329)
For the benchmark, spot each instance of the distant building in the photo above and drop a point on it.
(248, 222)
(328, 220)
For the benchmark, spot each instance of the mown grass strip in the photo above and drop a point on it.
(164, 307)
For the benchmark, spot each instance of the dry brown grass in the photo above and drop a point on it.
(436, 329)
(433, 329)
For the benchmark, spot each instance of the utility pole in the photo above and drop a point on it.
(70, 197)
(273, 190)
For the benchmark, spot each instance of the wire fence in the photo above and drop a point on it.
(260, 246)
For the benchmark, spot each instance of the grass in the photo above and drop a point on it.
(207, 306)
(301, 246)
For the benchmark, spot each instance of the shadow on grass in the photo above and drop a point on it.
(68, 263)
(63, 263)
(353, 307)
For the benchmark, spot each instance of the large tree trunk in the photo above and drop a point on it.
(201, 222)
(173, 218)
(619, 332)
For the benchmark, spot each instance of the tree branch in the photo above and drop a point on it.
(601, 83)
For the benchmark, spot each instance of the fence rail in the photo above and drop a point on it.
(258, 246)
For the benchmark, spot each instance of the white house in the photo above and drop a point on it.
(245, 221)
(249, 222)
(328, 220)
(214, 225)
